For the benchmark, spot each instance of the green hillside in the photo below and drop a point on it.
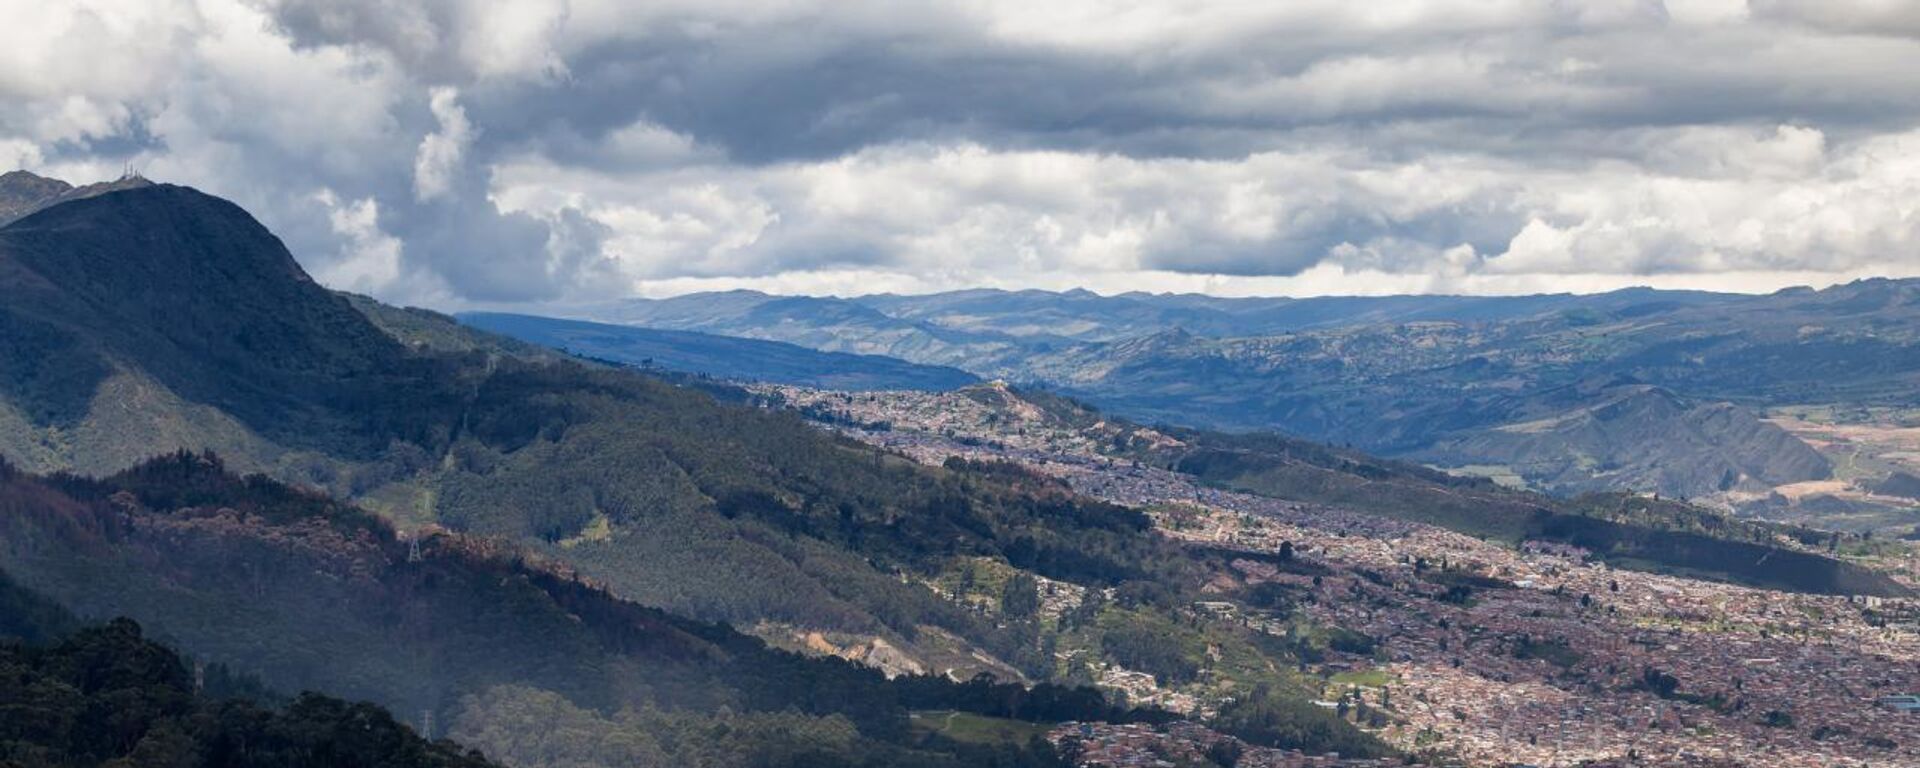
(108, 695)
(309, 594)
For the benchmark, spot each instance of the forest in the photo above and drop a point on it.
(310, 594)
(108, 696)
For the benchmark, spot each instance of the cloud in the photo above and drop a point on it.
(457, 152)
(442, 151)
(18, 153)
(1871, 17)
(1695, 202)
(369, 258)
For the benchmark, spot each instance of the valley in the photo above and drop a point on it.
(1075, 384)
(1539, 653)
(1875, 453)
(880, 562)
(1648, 391)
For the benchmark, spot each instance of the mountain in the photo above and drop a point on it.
(309, 594)
(1480, 384)
(1076, 315)
(918, 327)
(829, 324)
(205, 335)
(145, 321)
(140, 319)
(725, 357)
(617, 567)
(1637, 436)
(23, 193)
(1676, 399)
(1086, 316)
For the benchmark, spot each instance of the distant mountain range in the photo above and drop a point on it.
(986, 317)
(726, 357)
(1662, 391)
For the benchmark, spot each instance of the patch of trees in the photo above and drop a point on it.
(1555, 652)
(106, 696)
(530, 727)
(1269, 718)
(1167, 651)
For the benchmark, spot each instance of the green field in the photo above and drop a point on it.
(1368, 678)
(976, 729)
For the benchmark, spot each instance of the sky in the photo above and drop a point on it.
(462, 153)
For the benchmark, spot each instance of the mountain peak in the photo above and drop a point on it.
(193, 225)
(22, 178)
(24, 193)
(181, 285)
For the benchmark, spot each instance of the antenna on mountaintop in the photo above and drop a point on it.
(413, 549)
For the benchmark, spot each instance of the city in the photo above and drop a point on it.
(1558, 661)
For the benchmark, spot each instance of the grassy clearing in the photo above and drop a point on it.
(976, 729)
(1365, 678)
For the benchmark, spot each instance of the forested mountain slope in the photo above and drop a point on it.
(155, 319)
(149, 320)
(310, 594)
(79, 695)
(140, 319)
(108, 696)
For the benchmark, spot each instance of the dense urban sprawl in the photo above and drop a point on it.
(1540, 654)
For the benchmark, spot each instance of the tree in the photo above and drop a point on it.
(1226, 753)
(1020, 598)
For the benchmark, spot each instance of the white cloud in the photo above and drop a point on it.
(1873, 17)
(515, 39)
(648, 144)
(967, 214)
(19, 153)
(1708, 12)
(451, 150)
(370, 258)
(442, 152)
